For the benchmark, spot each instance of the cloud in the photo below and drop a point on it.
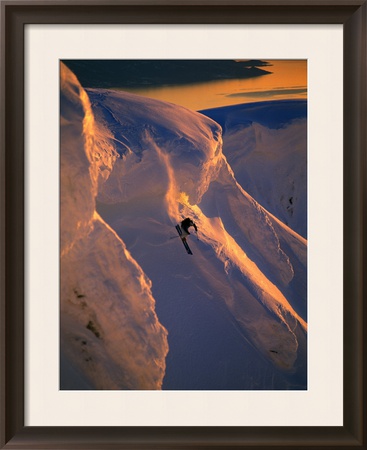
(269, 93)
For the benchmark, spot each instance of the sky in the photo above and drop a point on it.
(198, 84)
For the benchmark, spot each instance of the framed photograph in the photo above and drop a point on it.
(182, 224)
(185, 150)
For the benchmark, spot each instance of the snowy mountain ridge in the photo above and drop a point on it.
(143, 166)
(100, 281)
(266, 146)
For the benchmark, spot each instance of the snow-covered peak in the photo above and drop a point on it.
(181, 146)
(87, 155)
(110, 335)
(266, 145)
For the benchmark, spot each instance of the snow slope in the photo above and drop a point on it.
(110, 334)
(235, 311)
(266, 145)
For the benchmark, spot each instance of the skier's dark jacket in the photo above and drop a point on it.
(187, 223)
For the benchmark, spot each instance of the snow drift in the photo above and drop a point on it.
(235, 311)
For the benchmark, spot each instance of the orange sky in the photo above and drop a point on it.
(287, 81)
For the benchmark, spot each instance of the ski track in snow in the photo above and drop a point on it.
(235, 311)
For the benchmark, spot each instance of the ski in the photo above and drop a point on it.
(183, 239)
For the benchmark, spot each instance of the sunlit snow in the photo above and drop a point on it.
(137, 311)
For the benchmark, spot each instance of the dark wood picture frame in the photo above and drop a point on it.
(14, 15)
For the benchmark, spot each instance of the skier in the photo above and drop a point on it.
(186, 224)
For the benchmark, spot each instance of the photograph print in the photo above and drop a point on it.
(183, 224)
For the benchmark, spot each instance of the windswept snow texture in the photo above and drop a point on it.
(110, 335)
(235, 310)
(266, 145)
